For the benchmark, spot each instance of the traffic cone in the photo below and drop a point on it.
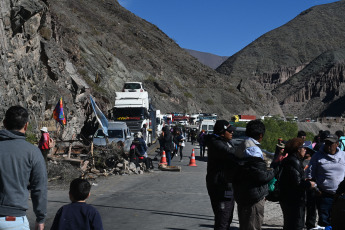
(164, 159)
(192, 160)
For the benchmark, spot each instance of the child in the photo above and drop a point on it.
(78, 214)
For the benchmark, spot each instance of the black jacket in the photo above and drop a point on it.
(221, 163)
(167, 141)
(250, 180)
(292, 180)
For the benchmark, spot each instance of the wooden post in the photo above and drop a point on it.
(93, 159)
(69, 150)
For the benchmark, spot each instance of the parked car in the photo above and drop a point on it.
(238, 136)
(117, 131)
(133, 87)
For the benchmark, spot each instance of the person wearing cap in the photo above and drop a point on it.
(43, 144)
(327, 169)
(219, 176)
(22, 169)
(251, 178)
(293, 185)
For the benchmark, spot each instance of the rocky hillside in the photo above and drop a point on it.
(211, 60)
(300, 63)
(71, 49)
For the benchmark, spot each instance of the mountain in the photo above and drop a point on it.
(300, 63)
(211, 60)
(73, 49)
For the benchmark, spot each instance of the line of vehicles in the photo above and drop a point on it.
(133, 111)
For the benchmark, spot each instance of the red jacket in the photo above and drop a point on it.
(44, 141)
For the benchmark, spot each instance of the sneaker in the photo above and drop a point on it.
(318, 228)
(181, 160)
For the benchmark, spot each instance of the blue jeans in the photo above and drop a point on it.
(168, 155)
(324, 207)
(21, 223)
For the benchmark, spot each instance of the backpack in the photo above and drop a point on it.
(51, 143)
(274, 187)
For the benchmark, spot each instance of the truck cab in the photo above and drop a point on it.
(133, 109)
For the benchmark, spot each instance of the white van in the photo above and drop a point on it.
(207, 125)
(117, 131)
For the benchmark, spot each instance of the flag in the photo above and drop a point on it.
(102, 120)
(58, 113)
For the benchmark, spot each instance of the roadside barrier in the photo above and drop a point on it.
(192, 160)
(164, 159)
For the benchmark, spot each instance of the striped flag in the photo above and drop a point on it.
(102, 120)
(58, 113)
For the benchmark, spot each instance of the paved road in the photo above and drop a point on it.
(155, 201)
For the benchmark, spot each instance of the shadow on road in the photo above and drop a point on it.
(168, 213)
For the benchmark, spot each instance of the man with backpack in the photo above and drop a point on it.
(251, 178)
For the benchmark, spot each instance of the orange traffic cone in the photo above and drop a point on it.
(164, 159)
(192, 160)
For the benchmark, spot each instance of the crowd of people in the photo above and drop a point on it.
(310, 177)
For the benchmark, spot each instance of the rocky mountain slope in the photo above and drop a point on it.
(73, 49)
(211, 60)
(301, 63)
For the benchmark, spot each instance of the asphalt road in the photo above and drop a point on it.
(157, 200)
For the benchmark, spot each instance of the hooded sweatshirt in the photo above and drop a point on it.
(327, 170)
(22, 168)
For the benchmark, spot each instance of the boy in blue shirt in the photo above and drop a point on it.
(78, 214)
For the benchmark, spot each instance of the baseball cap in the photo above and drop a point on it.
(332, 138)
(222, 125)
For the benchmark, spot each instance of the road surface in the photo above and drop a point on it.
(157, 200)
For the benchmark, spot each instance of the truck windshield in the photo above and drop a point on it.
(132, 86)
(111, 134)
(129, 114)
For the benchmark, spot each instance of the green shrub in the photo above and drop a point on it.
(30, 135)
(188, 95)
(209, 102)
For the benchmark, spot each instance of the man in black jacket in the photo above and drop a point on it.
(251, 178)
(167, 143)
(220, 167)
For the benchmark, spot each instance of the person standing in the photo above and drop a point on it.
(202, 143)
(143, 130)
(167, 143)
(220, 166)
(293, 185)
(251, 178)
(327, 169)
(22, 168)
(43, 144)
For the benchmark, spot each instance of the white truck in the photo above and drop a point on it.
(132, 108)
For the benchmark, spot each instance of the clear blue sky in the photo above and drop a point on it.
(221, 27)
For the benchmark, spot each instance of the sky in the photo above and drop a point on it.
(221, 27)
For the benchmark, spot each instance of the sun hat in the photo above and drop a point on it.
(138, 135)
(44, 129)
